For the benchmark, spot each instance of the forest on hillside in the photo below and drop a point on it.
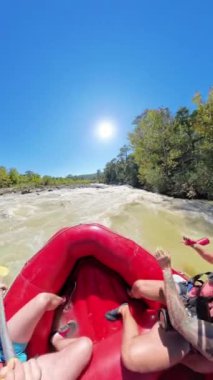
(169, 154)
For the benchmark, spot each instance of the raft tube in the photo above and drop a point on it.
(92, 266)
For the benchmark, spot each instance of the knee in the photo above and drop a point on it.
(128, 358)
(42, 298)
(85, 348)
(138, 288)
(132, 360)
(138, 284)
(48, 301)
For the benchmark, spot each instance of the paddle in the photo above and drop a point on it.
(6, 343)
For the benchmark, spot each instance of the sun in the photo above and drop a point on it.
(105, 130)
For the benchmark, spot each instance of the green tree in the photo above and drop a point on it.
(14, 176)
(4, 178)
(174, 153)
(32, 177)
(46, 180)
(110, 173)
(152, 142)
(99, 176)
(122, 169)
(184, 148)
(204, 128)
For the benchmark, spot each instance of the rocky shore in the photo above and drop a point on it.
(38, 190)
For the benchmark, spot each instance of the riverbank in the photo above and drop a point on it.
(33, 189)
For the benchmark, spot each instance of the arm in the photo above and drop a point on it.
(205, 255)
(197, 332)
(192, 243)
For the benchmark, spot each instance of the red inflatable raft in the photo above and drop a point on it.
(92, 266)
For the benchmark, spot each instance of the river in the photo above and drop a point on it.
(152, 220)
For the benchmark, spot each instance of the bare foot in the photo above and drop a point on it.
(66, 331)
(55, 338)
(115, 314)
(69, 329)
(51, 301)
(123, 308)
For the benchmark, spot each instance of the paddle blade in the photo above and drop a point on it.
(3, 271)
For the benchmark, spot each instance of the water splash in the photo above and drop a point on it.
(28, 221)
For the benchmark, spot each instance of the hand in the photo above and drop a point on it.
(188, 241)
(163, 259)
(29, 370)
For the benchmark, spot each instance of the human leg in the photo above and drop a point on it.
(23, 323)
(150, 289)
(68, 362)
(137, 350)
(198, 363)
(59, 342)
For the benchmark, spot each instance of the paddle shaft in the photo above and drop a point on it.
(6, 343)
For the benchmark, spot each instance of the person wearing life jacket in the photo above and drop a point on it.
(201, 292)
(197, 294)
(70, 356)
(197, 297)
(198, 332)
(190, 341)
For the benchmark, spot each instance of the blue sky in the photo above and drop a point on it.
(66, 64)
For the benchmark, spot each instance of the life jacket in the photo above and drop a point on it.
(199, 297)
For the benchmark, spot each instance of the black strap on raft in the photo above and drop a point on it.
(196, 278)
(163, 319)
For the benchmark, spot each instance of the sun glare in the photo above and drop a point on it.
(105, 130)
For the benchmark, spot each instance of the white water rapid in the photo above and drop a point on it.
(152, 220)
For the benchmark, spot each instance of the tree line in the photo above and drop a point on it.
(169, 154)
(12, 178)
